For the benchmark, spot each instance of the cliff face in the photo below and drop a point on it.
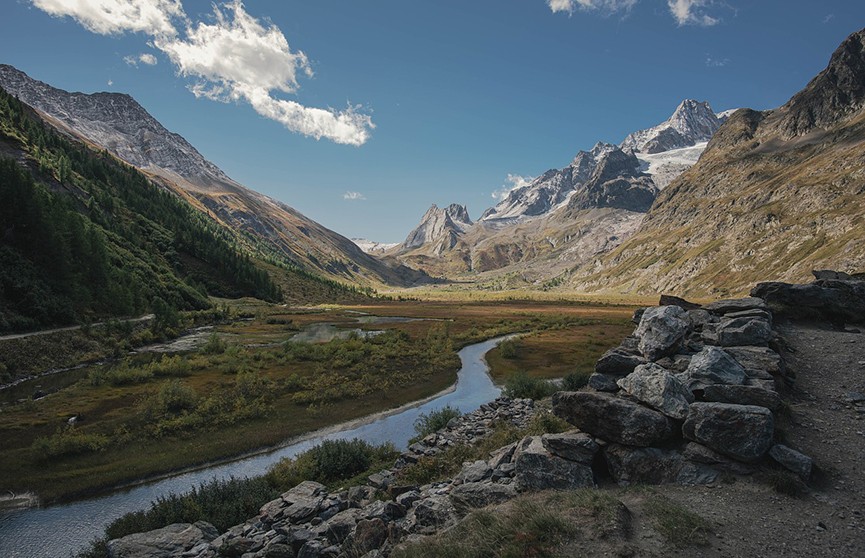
(775, 195)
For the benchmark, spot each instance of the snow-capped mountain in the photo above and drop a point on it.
(665, 151)
(550, 189)
(440, 227)
(693, 122)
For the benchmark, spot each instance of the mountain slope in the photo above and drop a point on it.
(775, 195)
(692, 122)
(84, 236)
(116, 122)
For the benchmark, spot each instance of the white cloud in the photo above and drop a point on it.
(716, 62)
(685, 12)
(353, 196)
(110, 83)
(113, 17)
(144, 58)
(512, 182)
(691, 12)
(828, 18)
(234, 57)
(604, 6)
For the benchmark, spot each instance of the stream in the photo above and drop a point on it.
(60, 531)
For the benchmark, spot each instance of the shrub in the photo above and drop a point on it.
(520, 385)
(427, 423)
(330, 462)
(214, 346)
(174, 397)
(69, 441)
(575, 381)
(508, 348)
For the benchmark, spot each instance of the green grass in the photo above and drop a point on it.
(677, 524)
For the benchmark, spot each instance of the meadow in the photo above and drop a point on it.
(248, 388)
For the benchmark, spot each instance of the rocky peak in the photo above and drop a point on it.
(692, 122)
(833, 94)
(117, 122)
(439, 226)
(616, 182)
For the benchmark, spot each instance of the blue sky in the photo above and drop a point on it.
(418, 102)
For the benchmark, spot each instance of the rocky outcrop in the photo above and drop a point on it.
(837, 298)
(692, 122)
(439, 228)
(179, 539)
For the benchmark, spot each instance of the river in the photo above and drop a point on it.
(61, 530)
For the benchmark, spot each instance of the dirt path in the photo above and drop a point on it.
(751, 519)
(144, 318)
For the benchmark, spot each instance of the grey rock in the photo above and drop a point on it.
(754, 313)
(743, 331)
(277, 550)
(700, 317)
(535, 468)
(618, 362)
(743, 432)
(676, 363)
(743, 395)
(406, 499)
(630, 465)
(338, 527)
(304, 501)
(659, 389)
(237, 547)
(757, 358)
(475, 472)
(313, 549)
(699, 453)
(612, 418)
(713, 366)
(661, 330)
(172, 540)
(502, 456)
(361, 495)
(573, 446)
(603, 382)
(638, 315)
(369, 534)
(736, 305)
(793, 460)
(436, 512)
(478, 495)
(835, 300)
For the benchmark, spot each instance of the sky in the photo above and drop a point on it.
(361, 114)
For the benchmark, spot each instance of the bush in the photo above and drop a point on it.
(330, 462)
(575, 381)
(427, 423)
(508, 348)
(214, 346)
(520, 385)
(69, 441)
(174, 397)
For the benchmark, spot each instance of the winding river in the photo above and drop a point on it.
(59, 531)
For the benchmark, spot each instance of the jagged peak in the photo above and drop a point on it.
(836, 92)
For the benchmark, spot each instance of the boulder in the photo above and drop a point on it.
(340, 526)
(793, 460)
(659, 389)
(369, 534)
(612, 418)
(757, 358)
(743, 432)
(618, 362)
(573, 446)
(435, 513)
(501, 456)
(172, 540)
(535, 468)
(630, 465)
(603, 382)
(670, 300)
(661, 330)
(676, 363)
(480, 494)
(475, 471)
(277, 550)
(304, 501)
(743, 395)
(743, 331)
(713, 366)
(699, 453)
(736, 305)
(838, 301)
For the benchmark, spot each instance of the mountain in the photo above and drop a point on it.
(775, 194)
(439, 228)
(692, 122)
(565, 217)
(116, 122)
(84, 236)
(373, 247)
